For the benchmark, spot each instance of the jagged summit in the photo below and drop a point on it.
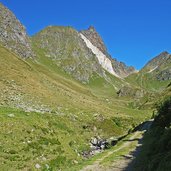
(76, 53)
(92, 35)
(164, 53)
(92, 29)
(119, 69)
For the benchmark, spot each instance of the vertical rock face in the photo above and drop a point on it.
(96, 44)
(13, 34)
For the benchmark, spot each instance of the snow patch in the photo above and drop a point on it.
(103, 60)
(152, 69)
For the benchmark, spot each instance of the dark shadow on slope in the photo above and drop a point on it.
(133, 155)
(127, 157)
(131, 140)
(144, 126)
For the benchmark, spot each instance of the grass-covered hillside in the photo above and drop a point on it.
(148, 81)
(58, 92)
(48, 118)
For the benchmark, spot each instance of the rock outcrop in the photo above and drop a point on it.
(164, 75)
(13, 35)
(128, 91)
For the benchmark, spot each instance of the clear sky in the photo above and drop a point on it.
(134, 31)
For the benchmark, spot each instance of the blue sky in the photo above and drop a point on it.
(134, 31)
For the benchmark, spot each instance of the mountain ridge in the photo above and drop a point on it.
(157, 60)
(58, 95)
(24, 39)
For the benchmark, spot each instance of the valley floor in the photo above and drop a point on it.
(121, 157)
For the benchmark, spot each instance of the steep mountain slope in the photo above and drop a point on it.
(13, 34)
(64, 46)
(150, 83)
(65, 49)
(160, 67)
(155, 75)
(92, 35)
(103, 60)
(156, 62)
(96, 44)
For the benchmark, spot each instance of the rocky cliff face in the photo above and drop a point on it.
(66, 48)
(13, 34)
(96, 44)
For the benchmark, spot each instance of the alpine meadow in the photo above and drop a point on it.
(66, 104)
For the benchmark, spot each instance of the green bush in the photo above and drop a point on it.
(163, 119)
(156, 150)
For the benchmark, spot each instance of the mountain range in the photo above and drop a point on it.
(61, 87)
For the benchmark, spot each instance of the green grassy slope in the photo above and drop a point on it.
(48, 118)
(147, 82)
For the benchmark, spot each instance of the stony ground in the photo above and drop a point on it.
(121, 162)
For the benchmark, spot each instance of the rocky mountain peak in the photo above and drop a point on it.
(92, 35)
(159, 67)
(162, 56)
(164, 53)
(156, 62)
(92, 28)
(113, 66)
(13, 34)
